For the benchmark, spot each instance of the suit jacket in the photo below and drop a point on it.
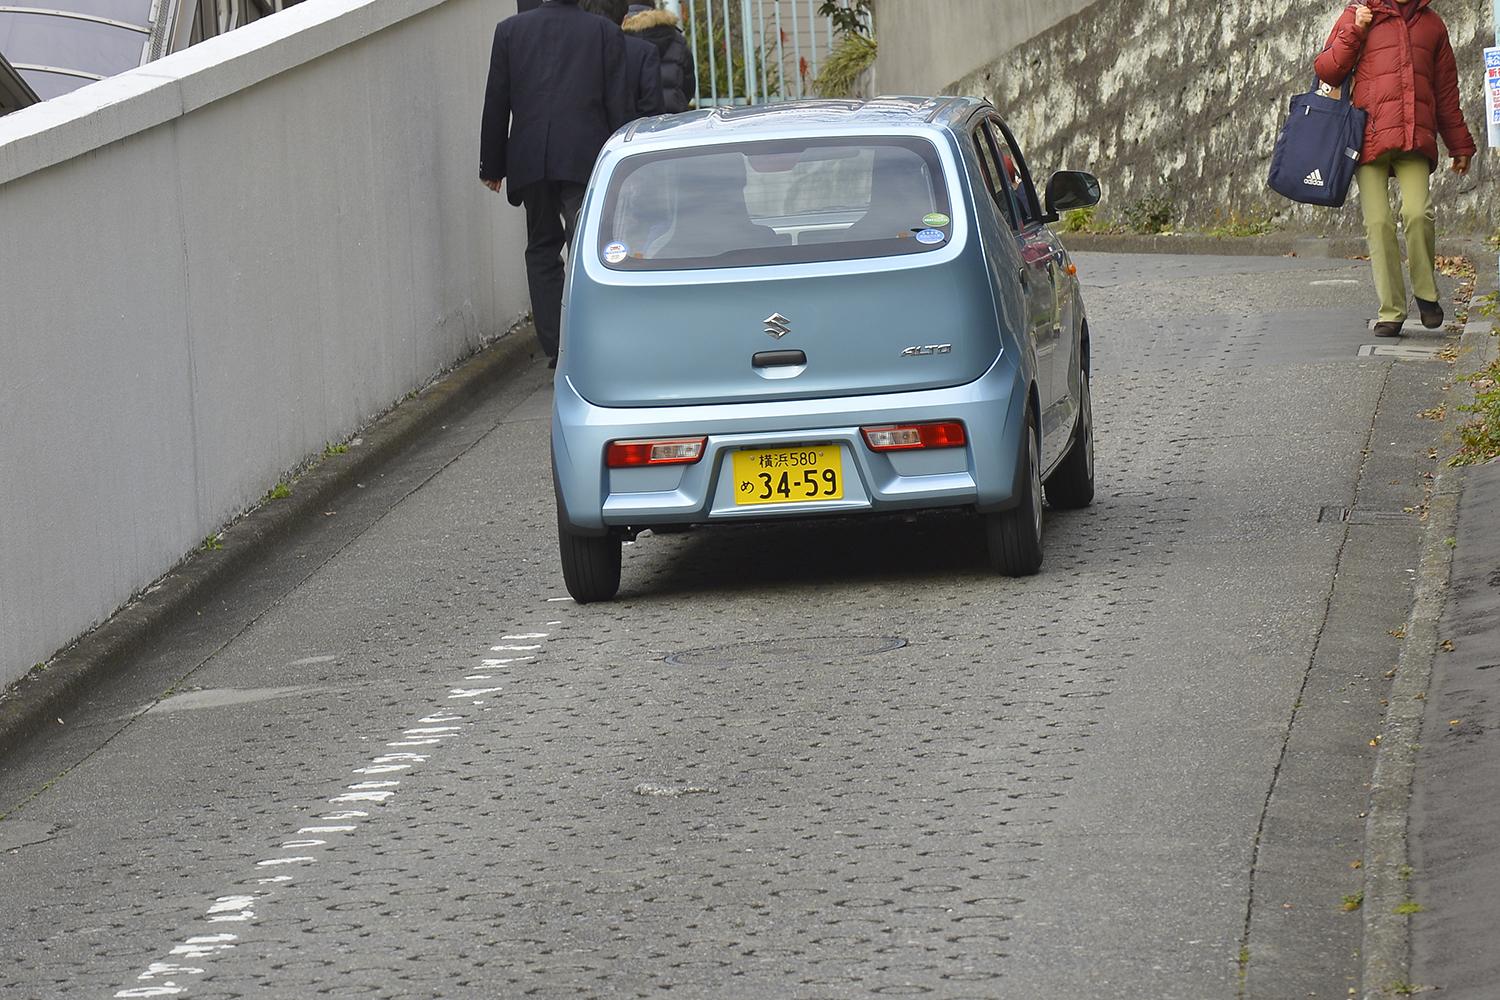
(643, 65)
(557, 89)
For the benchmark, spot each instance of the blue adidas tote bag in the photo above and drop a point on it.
(1319, 148)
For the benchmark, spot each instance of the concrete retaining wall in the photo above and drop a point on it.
(927, 44)
(212, 266)
(1184, 104)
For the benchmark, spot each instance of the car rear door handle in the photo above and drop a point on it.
(777, 359)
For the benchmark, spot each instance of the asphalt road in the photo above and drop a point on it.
(818, 761)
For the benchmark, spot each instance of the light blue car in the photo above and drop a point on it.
(830, 308)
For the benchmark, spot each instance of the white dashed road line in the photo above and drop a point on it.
(172, 977)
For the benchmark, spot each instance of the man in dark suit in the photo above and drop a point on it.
(643, 65)
(557, 89)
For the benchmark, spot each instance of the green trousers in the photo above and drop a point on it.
(1411, 171)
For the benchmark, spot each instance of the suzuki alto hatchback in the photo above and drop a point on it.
(814, 309)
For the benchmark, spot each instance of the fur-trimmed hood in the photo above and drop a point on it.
(648, 19)
(679, 83)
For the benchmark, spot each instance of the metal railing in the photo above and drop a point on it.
(754, 51)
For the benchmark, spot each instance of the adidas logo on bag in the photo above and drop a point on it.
(1314, 179)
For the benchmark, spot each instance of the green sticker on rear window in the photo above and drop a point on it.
(935, 219)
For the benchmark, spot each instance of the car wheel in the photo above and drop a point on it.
(1015, 535)
(590, 565)
(1072, 485)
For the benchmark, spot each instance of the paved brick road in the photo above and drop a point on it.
(831, 760)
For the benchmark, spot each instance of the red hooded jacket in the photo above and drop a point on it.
(1406, 80)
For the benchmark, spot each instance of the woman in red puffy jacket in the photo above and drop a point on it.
(1406, 79)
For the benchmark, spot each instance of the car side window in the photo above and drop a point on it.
(1013, 170)
(991, 169)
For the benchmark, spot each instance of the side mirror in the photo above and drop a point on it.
(1069, 190)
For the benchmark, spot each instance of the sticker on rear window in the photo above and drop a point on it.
(616, 252)
(935, 220)
(931, 236)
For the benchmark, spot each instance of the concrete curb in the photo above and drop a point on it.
(45, 695)
(1386, 951)
(1270, 245)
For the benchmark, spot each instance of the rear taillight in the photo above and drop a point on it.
(904, 437)
(671, 451)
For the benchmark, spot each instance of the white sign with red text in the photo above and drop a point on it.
(1492, 93)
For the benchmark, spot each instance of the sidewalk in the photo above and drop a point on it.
(1455, 814)
(1452, 830)
(1455, 820)
(1433, 837)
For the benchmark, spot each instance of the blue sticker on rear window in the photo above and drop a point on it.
(931, 236)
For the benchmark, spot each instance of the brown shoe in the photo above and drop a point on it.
(1432, 314)
(1390, 328)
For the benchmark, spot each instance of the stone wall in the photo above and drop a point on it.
(1185, 104)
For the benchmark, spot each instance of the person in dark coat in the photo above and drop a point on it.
(679, 84)
(1406, 79)
(557, 89)
(642, 64)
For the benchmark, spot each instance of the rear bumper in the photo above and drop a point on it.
(982, 474)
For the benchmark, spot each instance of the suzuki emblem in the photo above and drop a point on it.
(778, 325)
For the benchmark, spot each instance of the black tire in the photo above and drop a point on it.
(1015, 535)
(1072, 484)
(590, 565)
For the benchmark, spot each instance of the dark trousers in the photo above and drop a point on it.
(551, 215)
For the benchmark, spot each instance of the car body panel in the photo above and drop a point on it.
(697, 343)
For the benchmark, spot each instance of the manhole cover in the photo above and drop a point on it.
(779, 652)
(1432, 351)
(1358, 516)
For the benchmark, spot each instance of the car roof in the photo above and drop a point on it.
(762, 121)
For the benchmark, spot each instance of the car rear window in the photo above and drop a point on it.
(782, 201)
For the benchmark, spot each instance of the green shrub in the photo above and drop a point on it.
(850, 57)
(1080, 220)
(1479, 437)
(1238, 226)
(848, 18)
(1151, 214)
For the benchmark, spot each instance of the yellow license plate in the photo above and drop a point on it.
(801, 474)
